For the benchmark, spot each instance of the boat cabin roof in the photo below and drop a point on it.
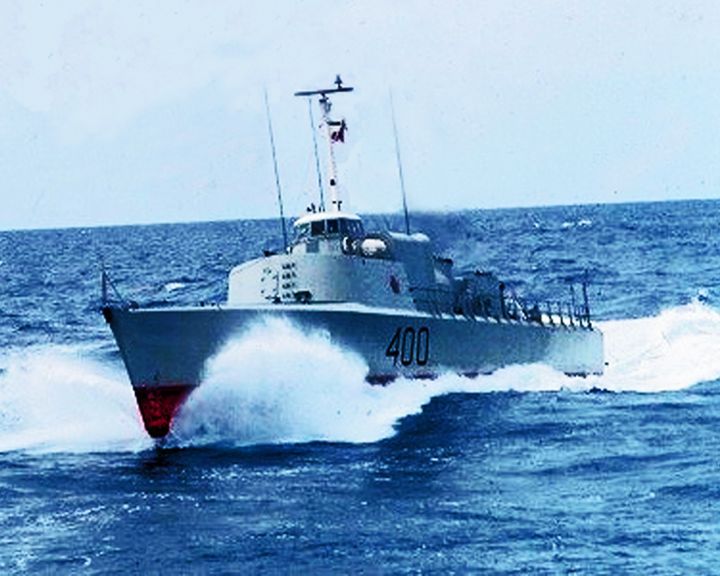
(328, 224)
(318, 216)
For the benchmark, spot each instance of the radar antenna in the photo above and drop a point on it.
(335, 132)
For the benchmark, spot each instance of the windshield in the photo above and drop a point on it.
(330, 227)
(353, 228)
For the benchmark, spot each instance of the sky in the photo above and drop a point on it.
(153, 111)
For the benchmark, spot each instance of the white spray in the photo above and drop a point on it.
(58, 400)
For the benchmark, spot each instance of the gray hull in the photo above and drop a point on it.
(166, 350)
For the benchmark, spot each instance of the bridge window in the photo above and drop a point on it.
(317, 228)
(341, 226)
(354, 229)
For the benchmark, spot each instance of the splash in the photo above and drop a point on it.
(58, 400)
(319, 393)
(280, 384)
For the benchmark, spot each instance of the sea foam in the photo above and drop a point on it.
(57, 399)
(674, 350)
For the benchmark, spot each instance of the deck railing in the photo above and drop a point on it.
(505, 307)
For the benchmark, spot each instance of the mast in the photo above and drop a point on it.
(335, 132)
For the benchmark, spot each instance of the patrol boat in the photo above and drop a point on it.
(385, 295)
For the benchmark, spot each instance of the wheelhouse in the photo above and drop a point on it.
(328, 225)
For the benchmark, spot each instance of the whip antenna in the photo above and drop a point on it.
(277, 174)
(399, 164)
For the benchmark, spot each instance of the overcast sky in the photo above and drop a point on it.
(138, 112)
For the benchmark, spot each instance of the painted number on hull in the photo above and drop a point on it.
(409, 345)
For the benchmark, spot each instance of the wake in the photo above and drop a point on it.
(672, 351)
(278, 384)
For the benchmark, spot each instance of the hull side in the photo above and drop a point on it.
(169, 348)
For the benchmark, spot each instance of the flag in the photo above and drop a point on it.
(337, 132)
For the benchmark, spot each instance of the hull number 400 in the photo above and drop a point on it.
(409, 346)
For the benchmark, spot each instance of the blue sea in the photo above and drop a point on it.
(292, 464)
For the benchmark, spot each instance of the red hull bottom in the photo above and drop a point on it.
(159, 404)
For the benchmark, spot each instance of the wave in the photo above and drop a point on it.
(57, 399)
(173, 286)
(278, 383)
(582, 223)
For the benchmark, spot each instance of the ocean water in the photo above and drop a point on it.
(285, 461)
